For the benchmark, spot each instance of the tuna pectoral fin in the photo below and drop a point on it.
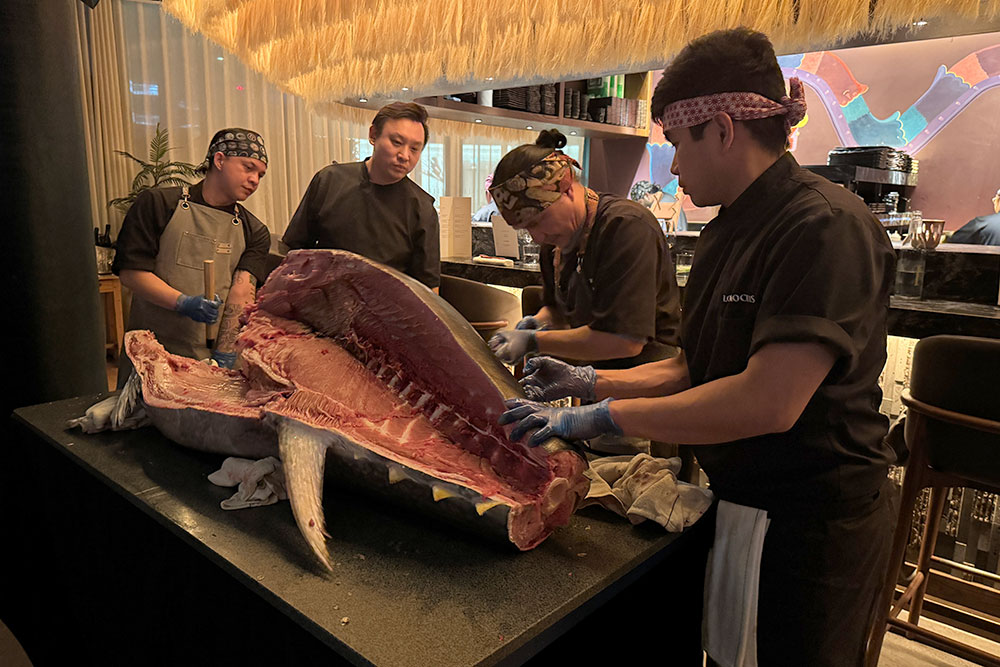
(303, 453)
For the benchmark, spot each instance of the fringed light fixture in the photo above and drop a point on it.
(326, 51)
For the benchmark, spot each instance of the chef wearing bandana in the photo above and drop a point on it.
(610, 293)
(776, 386)
(167, 235)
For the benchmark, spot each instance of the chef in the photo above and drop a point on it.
(782, 344)
(167, 235)
(371, 207)
(610, 293)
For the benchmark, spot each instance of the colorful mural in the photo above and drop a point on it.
(846, 101)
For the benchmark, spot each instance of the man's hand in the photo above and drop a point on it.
(224, 359)
(548, 379)
(511, 346)
(582, 423)
(531, 322)
(198, 308)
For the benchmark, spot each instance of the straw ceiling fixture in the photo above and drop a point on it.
(326, 51)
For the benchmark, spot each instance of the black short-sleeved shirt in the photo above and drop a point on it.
(139, 239)
(393, 224)
(795, 259)
(626, 284)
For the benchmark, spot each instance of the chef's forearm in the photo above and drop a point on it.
(241, 293)
(150, 287)
(659, 378)
(586, 344)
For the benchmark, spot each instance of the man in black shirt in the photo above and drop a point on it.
(371, 207)
(783, 341)
(167, 235)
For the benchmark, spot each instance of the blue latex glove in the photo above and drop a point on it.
(198, 308)
(582, 423)
(531, 322)
(224, 359)
(548, 379)
(511, 346)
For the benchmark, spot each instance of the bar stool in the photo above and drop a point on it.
(953, 434)
(110, 289)
(487, 309)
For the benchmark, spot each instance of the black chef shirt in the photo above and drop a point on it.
(626, 284)
(138, 242)
(795, 259)
(394, 224)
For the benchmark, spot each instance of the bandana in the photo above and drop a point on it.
(236, 142)
(523, 196)
(739, 106)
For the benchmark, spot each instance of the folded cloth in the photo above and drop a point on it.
(644, 487)
(260, 482)
(729, 628)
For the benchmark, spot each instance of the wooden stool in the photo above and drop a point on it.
(111, 300)
(953, 436)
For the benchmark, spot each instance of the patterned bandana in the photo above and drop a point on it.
(236, 142)
(739, 106)
(523, 196)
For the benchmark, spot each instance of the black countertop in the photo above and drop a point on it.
(414, 592)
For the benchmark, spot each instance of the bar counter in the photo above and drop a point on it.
(126, 524)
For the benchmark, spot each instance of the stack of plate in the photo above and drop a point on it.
(534, 99)
(550, 97)
(511, 98)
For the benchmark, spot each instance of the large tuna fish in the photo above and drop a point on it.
(345, 357)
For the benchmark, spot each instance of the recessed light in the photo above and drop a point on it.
(479, 120)
(219, 58)
(405, 88)
(489, 78)
(528, 127)
(362, 99)
(921, 23)
(572, 131)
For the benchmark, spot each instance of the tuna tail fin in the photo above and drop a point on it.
(129, 411)
(303, 453)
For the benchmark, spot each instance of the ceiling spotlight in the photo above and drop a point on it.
(362, 99)
(920, 24)
(489, 78)
(219, 58)
(479, 120)
(405, 88)
(528, 127)
(572, 132)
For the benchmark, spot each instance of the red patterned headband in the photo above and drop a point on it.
(739, 106)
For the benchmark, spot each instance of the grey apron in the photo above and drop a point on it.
(193, 234)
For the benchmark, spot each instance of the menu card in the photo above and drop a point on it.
(455, 219)
(504, 238)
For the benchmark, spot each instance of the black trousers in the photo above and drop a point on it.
(819, 582)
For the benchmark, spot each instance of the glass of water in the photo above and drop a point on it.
(682, 265)
(529, 255)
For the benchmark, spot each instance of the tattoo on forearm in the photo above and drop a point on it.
(229, 326)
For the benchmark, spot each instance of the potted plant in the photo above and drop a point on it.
(156, 172)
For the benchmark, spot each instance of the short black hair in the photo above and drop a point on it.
(526, 156)
(736, 60)
(396, 110)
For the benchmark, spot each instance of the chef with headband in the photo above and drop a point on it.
(610, 294)
(169, 232)
(776, 386)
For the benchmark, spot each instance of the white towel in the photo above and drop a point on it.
(729, 633)
(260, 482)
(644, 487)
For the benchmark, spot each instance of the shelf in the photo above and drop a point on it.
(438, 107)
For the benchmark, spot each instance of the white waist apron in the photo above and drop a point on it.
(195, 233)
(729, 632)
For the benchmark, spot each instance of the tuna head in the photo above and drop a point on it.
(345, 360)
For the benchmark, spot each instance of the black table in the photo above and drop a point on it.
(155, 551)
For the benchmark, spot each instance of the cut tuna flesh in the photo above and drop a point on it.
(343, 356)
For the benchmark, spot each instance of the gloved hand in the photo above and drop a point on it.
(511, 346)
(198, 308)
(582, 423)
(224, 359)
(548, 379)
(531, 322)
